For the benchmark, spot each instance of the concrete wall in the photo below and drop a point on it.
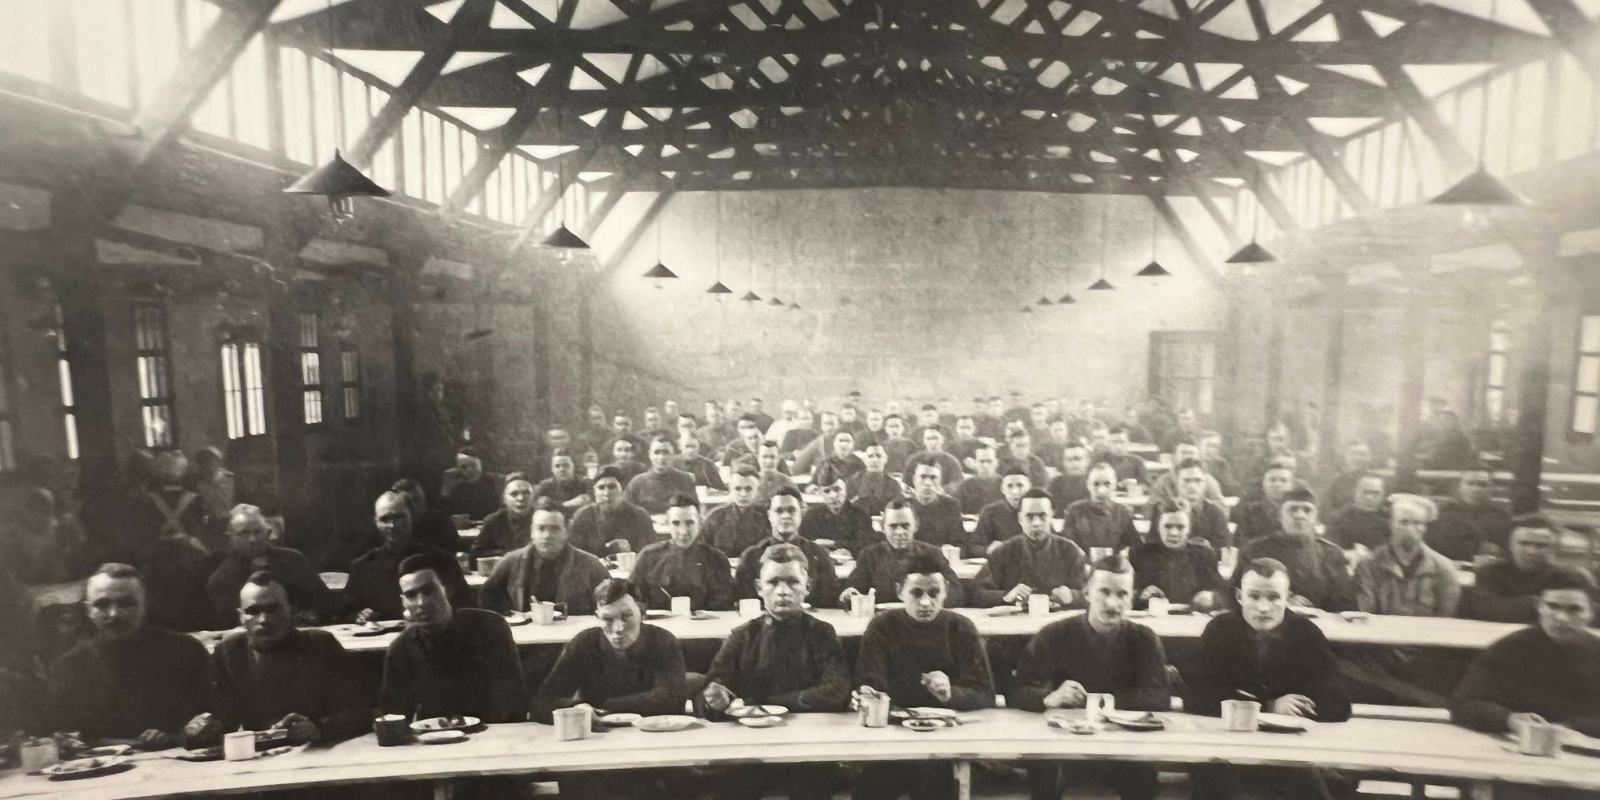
(904, 293)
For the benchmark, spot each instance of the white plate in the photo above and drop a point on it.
(442, 737)
(925, 725)
(619, 720)
(923, 712)
(891, 605)
(665, 723)
(443, 724)
(742, 711)
(1285, 721)
(760, 722)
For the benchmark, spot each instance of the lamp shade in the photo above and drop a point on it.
(564, 239)
(1480, 189)
(1252, 253)
(751, 297)
(719, 289)
(1153, 270)
(775, 302)
(1043, 301)
(660, 272)
(1027, 309)
(337, 178)
(1101, 285)
(1066, 299)
(794, 306)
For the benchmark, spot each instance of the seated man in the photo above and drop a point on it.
(451, 662)
(895, 444)
(1217, 465)
(621, 431)
(880, 565)
(836, 521)
(622, 666)
(1100, 652)
(507, 529)
(966, 442)
(430, 525)
(1405, 576)
(131, 681)
(1542, 673)
(1054, 439)
(1317, 567)
(733, 527)
(1036, 562)
(872, 487)
(684, 565)
(1100, 521)
(748, 443)
(1341, 489)
(933, 450)
(624, 460)
(1509, 590)
(1175, 565)
(1362, 522)
(549, 569)
(1257, 517)
(274, 675)
(1072, 484)
(650, 490)
(1208, 520)
(938, 515)
(468, 490)
(564, 486)
(1166, 486)
(783, 514)
(704, 471)
(370, 592)
(250, 549)
(983, 487)
(820, 447)
(841, 459)
(785, 657)
(1266, 653)
(1469, 523)
(612, 524)
(1019, 453)
(1000, 521)
(773, 476)
(1129, 466)
(921, 656)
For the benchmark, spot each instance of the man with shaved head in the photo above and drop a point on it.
(250, 549)
(274, 675)
(370, 593)
(132, 680)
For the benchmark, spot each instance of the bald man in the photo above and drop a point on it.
(371, 593)
(250, 549)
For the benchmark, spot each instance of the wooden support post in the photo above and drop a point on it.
(1332, 375)
(1414, 357)
(407, 391)
(963, 775)
(1556, 281)
(285, 397)
(1275, 363)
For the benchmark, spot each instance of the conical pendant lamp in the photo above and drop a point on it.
(338, 181)
(562, 238)
(718, 289)
(1043, 301)
(1066, 300)
(1254, 253)
(1154, 268)
(659, 273)
(751, 297)
(1103, 285)
(1480, 188)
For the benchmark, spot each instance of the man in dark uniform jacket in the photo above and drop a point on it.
(370, 592)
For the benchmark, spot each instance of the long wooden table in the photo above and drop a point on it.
(1369, 747)
(1393, 631)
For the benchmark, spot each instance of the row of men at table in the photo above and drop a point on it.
(1177, 558)
(157, 687)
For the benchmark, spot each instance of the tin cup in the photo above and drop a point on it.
(681, 607)
(1540, 739)
(572, 723)
(239, 745)
(1097, 553)
(952, 553)
(1240, 715)
(1159, 606)
(875, 711)
(749, 608)
(1097, 704)
(627, 560)
(392, 729)
(862, 605)
(487, 564)
(1038, 605)
(542, 613)
(39, 753)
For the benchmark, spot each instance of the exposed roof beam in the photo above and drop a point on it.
(635, 233)
(1191, 246)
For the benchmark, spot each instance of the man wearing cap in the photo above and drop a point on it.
(783, 514)
(1034, 562)
(611, 524)
(684, 565)
(1317, 567)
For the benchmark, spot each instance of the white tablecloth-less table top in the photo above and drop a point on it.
(1409, 748)
(1390, 631)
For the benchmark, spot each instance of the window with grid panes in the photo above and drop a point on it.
(1586, 383)
(155, 385)
(1498, 367)
(69, 413)
(311, 368)
(350, 380)
(243, 389)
